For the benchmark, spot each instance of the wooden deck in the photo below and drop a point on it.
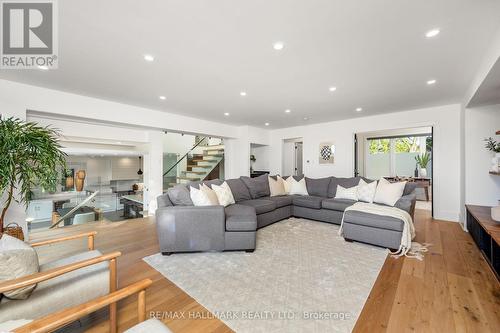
(451, 290)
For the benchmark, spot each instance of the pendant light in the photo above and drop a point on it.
(140, 171)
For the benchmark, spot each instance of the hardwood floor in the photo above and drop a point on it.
(451, 290)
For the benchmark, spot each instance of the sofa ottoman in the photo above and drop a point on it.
(384, 231)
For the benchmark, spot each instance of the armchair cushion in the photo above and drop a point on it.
(64, 291)
(17, 259)
(149, 326)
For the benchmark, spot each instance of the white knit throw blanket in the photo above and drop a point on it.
(407, 247)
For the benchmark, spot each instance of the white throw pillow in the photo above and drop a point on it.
(199, 197)
(212, 196)
(276, 187)
(388, 193)
(366, 191)
(224, 194)
(17, 259)
(286, 185)
(297, 187)
(350, 193)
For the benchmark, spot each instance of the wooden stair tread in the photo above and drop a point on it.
(196, 172)
(200, 166)
(189, 178)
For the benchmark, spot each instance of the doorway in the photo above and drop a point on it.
(398, 155)
(293, 157)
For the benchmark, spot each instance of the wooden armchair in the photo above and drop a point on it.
(60, 319)
(60, 286)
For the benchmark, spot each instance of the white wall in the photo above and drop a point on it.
(445, 120)
(237, 150)
(261, 154)
(25, 97)
(145, 127)
(481, 188)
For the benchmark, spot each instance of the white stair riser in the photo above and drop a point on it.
(183, 181)
(211, 157)
(201, 169)
(214, 152)
(195, 175)
(206, 163)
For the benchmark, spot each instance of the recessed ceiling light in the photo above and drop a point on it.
(226, 114)
(243, 93)
(149, 57)
(431, 82)
(43, 68)
(332, 89)
(267, 124)
(306, 118)
(278, 46)
(119, 142)
(288, 111)
(432, 33)
(162, 98)
(359, 109)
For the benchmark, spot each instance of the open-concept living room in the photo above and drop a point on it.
(249, 166)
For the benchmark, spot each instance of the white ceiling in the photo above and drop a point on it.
(206, 52)
(488, 92)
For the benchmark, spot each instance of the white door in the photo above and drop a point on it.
(298, 171)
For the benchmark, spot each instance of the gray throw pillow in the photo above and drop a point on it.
(179, 196)
(209, 183)
(297, 178)
(17, 259)
(258, 186)
(318, 187)
(409, 188)
(344, 182)
(239, 189)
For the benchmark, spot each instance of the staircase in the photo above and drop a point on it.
(200, 166)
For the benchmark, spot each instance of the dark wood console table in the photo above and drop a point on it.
(486, 234)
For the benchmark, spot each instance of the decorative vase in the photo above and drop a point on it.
(423, 172)
(495, 213)
(80, 179)
(70, 182)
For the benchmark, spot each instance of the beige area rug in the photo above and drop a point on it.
(302, 277)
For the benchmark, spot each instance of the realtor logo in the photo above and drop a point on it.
(29, 34)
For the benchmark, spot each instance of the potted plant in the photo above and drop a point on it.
(494, 147)
(30, 156)
(252, 160)
(422, 161)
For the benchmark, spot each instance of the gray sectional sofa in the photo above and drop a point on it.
(183, 227)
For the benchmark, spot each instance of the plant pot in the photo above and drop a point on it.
(495, 213)
(422, 172)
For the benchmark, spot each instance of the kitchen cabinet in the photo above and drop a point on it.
(40, 210)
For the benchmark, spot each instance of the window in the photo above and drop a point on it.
(394, 156)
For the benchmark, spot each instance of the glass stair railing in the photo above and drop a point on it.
(195, 166)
